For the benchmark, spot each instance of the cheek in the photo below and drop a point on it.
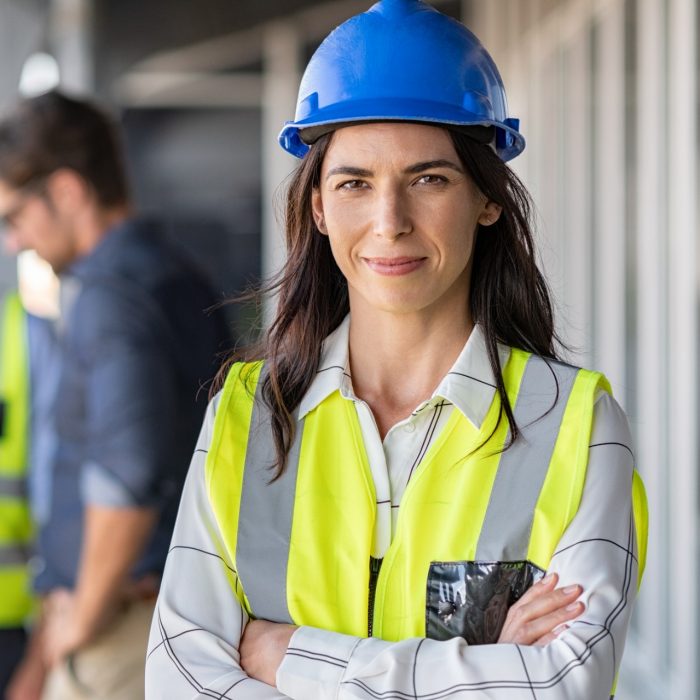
(343, 218)
(341, 252)
(45, 235)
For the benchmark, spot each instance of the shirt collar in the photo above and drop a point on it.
(333, 372)
(469, 385)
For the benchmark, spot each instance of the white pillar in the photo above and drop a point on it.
(652, 359)
(683, 343)
(530, 165)
(281, 75)
(20, 35)
(72, 43)
(609, 220)
(576, 222)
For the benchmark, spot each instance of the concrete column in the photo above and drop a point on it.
(71, 34)
(682, 313)
(20, 35)
(576, 226)
(609, 197)
(281, 75)
(652, 360)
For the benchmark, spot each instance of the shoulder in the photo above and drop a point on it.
(106, 307)
(610, 424)
(240, 384)
(537, 376)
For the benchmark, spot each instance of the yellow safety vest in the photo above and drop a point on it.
(477, 526)
(15, 521)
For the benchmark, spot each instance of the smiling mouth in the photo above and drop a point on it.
(394, 266)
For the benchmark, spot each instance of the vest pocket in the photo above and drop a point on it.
(470, 599)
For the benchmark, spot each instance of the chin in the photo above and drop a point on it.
(397, 306)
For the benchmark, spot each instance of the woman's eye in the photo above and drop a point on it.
(432, 180)
(352, 185)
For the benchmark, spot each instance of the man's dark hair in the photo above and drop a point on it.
(52, 131)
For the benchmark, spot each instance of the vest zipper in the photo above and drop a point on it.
(374, 566)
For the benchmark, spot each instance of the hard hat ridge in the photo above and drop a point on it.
(402, 60)
(400, 8)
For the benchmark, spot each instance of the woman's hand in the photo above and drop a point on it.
(537, 618)
(540, 615)
(263, 647)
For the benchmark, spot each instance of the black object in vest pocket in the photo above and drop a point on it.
(470, 599)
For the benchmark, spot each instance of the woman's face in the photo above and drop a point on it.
(401, 214)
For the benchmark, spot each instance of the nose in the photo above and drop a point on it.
(392, 216)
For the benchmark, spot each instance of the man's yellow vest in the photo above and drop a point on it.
(477, 525)
(15, 521)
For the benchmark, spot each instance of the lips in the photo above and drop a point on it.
(394, 266)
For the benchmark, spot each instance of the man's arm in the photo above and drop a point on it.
(113, 540)
(125, 426)
(28, 679)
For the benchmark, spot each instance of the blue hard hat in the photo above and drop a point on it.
(402, 60)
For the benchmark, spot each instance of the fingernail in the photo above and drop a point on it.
(570, 589)
(558, 630)
(573, 606)
(548, 579)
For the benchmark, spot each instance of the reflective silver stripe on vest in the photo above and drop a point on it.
(505, 533)
(266, 512)
(13, 555)
(13, 487)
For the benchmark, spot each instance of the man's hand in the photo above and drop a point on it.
(27, 682)
(62, 634)
(263, 647)
(542, 613)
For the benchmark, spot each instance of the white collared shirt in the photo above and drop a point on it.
(198, 625)
(469, 387)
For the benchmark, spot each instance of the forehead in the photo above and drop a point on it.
(389, 142)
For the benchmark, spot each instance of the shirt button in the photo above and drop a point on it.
(409, 427)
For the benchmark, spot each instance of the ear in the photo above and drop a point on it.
(67, 190)
(490, 213)
(317, 210)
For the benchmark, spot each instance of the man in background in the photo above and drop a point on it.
(135, 346)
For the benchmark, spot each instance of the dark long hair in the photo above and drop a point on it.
(508, 295)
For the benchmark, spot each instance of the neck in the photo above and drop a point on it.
(398, 360)
(95, 224)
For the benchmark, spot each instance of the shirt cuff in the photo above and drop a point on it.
(100, 488)
(315, 663)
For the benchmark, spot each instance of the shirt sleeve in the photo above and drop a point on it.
(598, 551)
(198, 620)
(119, 344)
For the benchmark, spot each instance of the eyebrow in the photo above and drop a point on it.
(432, 164)
(411, 169)
(349, 170)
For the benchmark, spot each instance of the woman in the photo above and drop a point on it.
(411, 496)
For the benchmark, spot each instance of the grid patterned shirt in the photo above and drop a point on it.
(193, 650)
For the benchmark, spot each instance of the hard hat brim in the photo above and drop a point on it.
(296, 136)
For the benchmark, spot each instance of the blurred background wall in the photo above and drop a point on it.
(607, 94)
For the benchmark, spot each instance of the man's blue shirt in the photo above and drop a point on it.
(136, 346)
